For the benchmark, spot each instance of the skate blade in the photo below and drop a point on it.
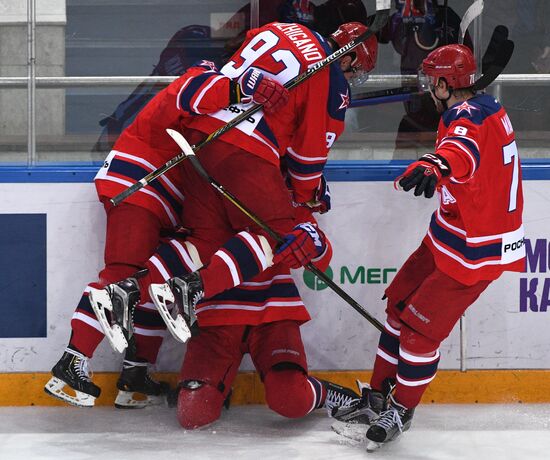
(127, 400)
(55, 386)
(373, 446)
(100, 301)
(354, 431)
(162, 297)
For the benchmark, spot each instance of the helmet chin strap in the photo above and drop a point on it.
(444, 100)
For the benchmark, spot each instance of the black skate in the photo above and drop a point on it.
(183, 293)
(392, 422)
(72, 371)
(120, 300)
(135, 378)
(354, 420)
(339, 396)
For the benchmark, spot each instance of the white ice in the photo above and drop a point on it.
(441, 432)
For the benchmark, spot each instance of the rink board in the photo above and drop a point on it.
(373, 229)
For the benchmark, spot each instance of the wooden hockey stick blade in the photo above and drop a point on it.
(380, 19)
(181, 141)
(472, 12)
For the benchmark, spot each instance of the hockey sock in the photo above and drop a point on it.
(414, 373)
(385, 364)
(149, 331)
(86, 332)
(240, 259)
(172, 258)
(319, 391)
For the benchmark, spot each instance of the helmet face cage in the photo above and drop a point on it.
(425, 82)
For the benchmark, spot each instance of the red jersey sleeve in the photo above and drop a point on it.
(461, 136)
(201, 90)
(322, 104)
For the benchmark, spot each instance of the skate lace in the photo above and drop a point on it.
(389, 418)
(83, 369)
(197, 296)
(341, 400)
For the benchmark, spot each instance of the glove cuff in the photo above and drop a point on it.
(439, 161)
(235, 94)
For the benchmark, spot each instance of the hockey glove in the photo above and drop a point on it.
(261, 89)
(301, 245)
(424, 175)
(321, 202)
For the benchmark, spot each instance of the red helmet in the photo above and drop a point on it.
(365, 53)
(455, 63)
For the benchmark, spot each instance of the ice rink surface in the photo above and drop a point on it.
(484, 432)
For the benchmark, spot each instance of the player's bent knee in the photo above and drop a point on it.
(416, 342)
(288, 392)
(198, 404)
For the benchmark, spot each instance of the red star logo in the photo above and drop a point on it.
(345, 101)
(464, 106)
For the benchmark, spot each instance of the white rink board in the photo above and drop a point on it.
(371, 225)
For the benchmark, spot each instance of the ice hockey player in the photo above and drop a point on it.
(240, 312)
(474, 236)
(135, 229)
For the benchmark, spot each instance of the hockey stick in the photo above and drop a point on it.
(189, 152)
(384, 96)
(496, 57)
(380, 19)
(472, 12)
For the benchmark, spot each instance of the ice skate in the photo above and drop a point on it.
(176, 301)
(136, 388)
(120, 300)
(354, 420)
(72, 371)
(339, 396)
(392, 422)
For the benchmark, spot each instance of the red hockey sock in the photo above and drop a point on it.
(86, 332)
(385, 364)
(414, 374)
(240, 259)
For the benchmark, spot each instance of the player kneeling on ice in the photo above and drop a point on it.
(215, 352)
(474, 236)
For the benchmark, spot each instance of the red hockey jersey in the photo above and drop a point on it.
(303, 130)
(145, 146)
(477, 232)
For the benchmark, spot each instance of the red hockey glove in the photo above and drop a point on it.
(263, 90)
(321, 202)
(301, 245)
(424, 175)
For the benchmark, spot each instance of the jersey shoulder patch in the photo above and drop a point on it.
(476, 109)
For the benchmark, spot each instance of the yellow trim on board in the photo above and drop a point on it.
(487, 386)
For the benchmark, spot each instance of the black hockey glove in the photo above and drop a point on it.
(424, 175)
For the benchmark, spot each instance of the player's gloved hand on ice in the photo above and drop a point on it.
(321, 201)
(424, 175)
(261, 89)
(303, 244)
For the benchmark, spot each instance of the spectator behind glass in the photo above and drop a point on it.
(415, 29)
(529, 28)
